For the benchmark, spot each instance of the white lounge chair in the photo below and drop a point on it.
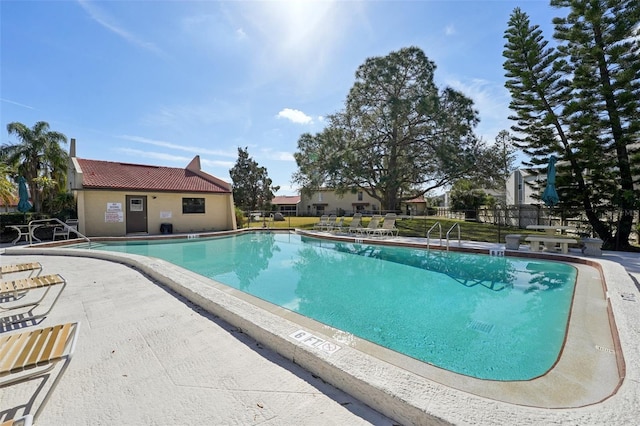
(16, 294)
(355, 225)
(330, 221)
(34, 353)
(373, 225)
(336, 225)
(388, 226)
(322, 223)
(65, 230)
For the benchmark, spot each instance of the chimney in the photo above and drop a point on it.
(72, 148)
(194, 165)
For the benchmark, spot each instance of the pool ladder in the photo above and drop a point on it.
(439, 226)
(431, 229)
(455, 225)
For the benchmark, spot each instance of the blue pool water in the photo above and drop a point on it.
(489, 317)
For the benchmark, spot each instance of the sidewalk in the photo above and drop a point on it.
(146, 356)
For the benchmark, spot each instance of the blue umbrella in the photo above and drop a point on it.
(550, 195)
(23, 193)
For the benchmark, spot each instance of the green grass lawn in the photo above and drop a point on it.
(416, 227)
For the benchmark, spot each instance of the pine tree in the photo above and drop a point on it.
(598, 40)
(252, 187)
(580, 102)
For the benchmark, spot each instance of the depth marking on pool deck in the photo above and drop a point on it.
(314, 341)
(605, 349)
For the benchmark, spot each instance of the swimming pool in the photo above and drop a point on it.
(476, 315)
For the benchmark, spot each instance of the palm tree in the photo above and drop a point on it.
(7, 186)
(37, 155)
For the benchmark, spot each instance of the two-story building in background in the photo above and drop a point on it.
(326, 201)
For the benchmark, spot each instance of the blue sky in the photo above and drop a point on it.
(158, 82)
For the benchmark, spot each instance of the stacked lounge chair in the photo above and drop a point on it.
(324, 219)
(388, 226)
(331, 220)
(355, 225)
(16, 294)
(336, 225)
(21, 267)
(373, 225)
(32, 354)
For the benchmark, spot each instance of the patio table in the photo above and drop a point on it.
(25, 231)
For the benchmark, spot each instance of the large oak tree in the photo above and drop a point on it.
(398, 137)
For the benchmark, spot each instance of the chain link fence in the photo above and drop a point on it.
(494, 222)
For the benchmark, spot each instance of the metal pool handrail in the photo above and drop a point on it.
(451, 229)
(429, 232)
(59, 222)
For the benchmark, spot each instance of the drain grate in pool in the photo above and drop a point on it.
(480, 326)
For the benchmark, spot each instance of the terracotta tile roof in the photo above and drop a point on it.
(112, 175)
(419, 199)
(286, 199)
(13, 201)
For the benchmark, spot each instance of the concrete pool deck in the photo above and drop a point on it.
(175, 363)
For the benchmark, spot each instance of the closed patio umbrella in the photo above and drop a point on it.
(550, 195)
(23, 196)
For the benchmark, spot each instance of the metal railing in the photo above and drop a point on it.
(455, 225)
(429, 232)
(57, 222)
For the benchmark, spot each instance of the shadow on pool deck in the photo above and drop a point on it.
(146, 355)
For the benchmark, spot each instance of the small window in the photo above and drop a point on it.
(192, 205)
(359, 195)
(136, 205)
(320, 197)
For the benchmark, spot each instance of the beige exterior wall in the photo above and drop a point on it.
(92, 207)
(521, 187)
(328, 202)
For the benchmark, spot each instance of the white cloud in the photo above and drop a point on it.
(214, 111)
(492, 102)
(240, 34)
(172, 158)
(295, 116)
(187, 148)
(16, 103)
(107, 22)
(450, 30)
(217, 163)
(277, 155)
(147, 155)
(217, 31)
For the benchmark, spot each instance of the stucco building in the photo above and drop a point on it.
(117, 199)
(524, 188)
(326, 201)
